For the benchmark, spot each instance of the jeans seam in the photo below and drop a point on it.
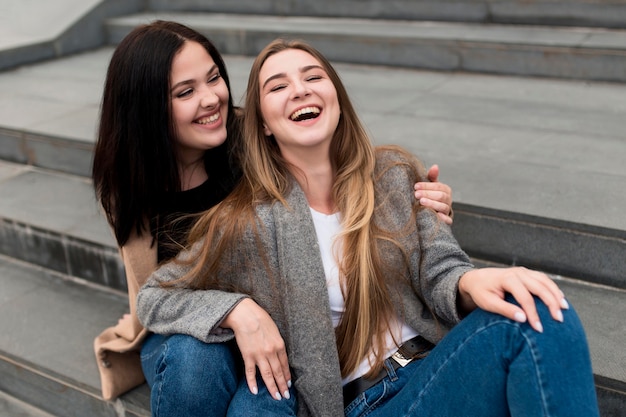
(370, 409)
(161, 376)
(538, 375)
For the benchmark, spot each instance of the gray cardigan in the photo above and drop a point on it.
(297, 298)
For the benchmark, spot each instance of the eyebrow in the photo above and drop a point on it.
(302, 71)
(178, 84)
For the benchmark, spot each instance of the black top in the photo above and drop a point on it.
(172, 225)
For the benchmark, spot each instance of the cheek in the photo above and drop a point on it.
(179, 111)
(222, 93)
(266, 117)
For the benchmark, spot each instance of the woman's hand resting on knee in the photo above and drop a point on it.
(486, 288)
(261, 346)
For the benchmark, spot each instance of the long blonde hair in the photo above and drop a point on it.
(267, 178)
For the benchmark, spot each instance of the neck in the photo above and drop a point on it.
(192, 174)
(317, 182)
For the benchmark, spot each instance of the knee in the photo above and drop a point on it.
(191, 356)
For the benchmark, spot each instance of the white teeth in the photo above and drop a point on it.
(314, 110)
(208, 120)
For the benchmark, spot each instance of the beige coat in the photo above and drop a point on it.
(117, 348)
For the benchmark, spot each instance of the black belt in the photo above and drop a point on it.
(416, 348)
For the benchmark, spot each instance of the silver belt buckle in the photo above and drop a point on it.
(402, 361)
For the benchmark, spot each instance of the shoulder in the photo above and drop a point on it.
(396, 165)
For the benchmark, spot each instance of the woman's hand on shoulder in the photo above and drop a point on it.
(261, 346)
(486, 288)
(435, 195)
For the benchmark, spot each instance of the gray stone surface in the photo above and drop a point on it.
(34, 30)
(547, 150)
(33, 21)
(50, 321)
(556, 147)
(54, 202)
(551, 12)
(48, 325)
(11, 407)
(601, 310)
(450, 46)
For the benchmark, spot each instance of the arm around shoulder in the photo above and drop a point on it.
(170, 310)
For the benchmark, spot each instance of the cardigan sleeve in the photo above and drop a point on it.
(197, 313)
(436, 261)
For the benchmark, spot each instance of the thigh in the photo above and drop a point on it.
(489, 365)
(188, 377)
(244, 403)
(465, 374)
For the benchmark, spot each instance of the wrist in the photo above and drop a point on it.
(465, 303)
(237, 315)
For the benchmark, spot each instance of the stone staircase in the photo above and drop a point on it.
(520, 103)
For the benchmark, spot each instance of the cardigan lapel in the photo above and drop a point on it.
(306, 304)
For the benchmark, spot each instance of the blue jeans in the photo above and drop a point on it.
(491, 366)
(190, 378)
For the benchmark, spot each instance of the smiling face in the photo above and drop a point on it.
(199, 97)
(298, 102)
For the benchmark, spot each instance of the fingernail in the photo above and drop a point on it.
(289, 383)
(254, 390)
(559, 316)
(418, 195)
(286, 395)
(538, 327)
(520, 317)
(277, 396)
(564, 304)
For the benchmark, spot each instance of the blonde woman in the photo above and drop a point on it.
(379, 310)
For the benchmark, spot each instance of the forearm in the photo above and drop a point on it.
(443, 263)
(197, 313)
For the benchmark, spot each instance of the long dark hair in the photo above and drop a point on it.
(135, 159)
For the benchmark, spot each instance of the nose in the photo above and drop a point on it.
(300, 89)
(209, 99)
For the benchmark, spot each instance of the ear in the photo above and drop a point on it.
(266, 130)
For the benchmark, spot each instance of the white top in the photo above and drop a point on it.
(327, 227)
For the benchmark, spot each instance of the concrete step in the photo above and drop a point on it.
(52, 220)
(569, 53)
(48, 322)
(36, 30)
(536, 165)
(596, 13)
(12, 407)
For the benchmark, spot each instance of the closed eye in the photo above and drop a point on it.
(214, 78)
(278, 87)
(185, 93)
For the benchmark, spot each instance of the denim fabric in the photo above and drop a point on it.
(491, 366)
(191, 378)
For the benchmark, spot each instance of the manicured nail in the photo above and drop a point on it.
(520, 317)
(564, 304)
(289, 383)
(277, 396)
(539, 327)
(286, 395)
(559, 316)
(254, 390)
